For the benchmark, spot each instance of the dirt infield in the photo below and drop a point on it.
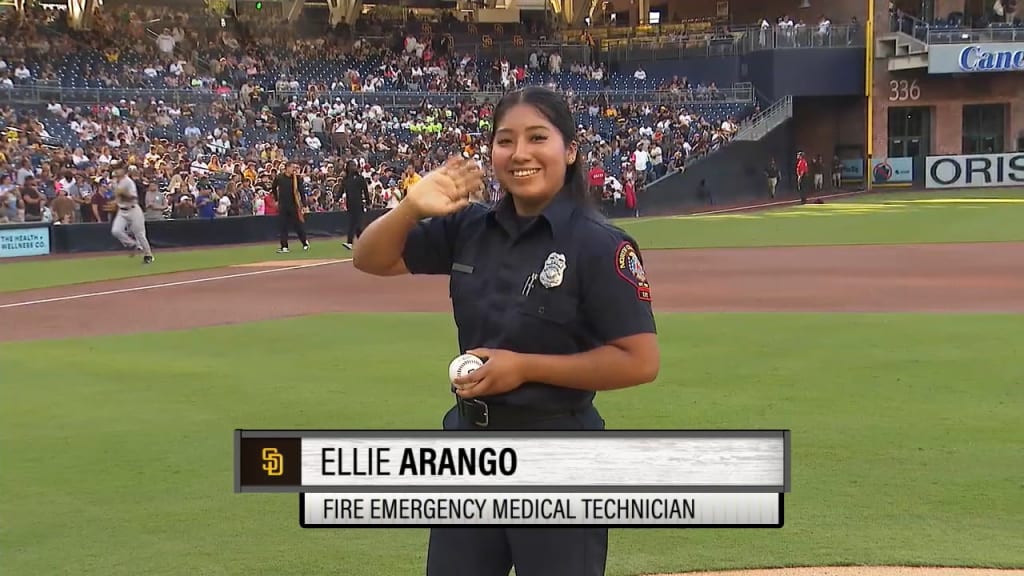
(985, 277)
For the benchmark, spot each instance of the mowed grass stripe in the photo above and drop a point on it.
(34, 274)
(871, 219)
(117, 458)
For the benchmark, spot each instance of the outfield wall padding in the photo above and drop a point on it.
(198, 232)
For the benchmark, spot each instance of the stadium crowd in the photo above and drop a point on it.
(206, 116)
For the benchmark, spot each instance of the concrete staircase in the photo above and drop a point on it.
(901, 51)
(765, 121)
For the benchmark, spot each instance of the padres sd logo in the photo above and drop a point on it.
(425, 28)
(487, 41)
(273, 462)
(517, 40)
(472, 29)
(499, 30)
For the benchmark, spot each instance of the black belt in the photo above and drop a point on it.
(484, 415)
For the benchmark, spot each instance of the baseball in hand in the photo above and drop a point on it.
(462, 365)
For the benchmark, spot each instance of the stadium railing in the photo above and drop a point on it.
(738, 40)
(760, 124)
(995, 33)
(952, 33)
(658, 42)
(845, 36)
(42, 93)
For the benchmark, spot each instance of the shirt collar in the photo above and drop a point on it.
(558, 214)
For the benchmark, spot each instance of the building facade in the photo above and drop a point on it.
(946, 91)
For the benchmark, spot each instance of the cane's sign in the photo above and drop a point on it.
(975, 58)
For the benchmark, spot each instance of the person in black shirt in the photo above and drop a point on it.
(551, 295)
(772, 172)
(287, 191)
(837, 173)
(818, 170)
(357, 196)
(33, 199)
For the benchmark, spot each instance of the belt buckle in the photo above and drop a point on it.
(485, 411)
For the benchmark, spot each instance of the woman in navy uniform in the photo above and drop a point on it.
(554, 298)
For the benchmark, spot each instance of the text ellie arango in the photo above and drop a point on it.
(418, 462)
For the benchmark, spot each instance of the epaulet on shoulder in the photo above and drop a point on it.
(477, 208)
(611, 228)
(473, 210)
(613, 233)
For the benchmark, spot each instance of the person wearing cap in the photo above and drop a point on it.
(129, 225)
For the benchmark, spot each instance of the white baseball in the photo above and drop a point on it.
(462, 365)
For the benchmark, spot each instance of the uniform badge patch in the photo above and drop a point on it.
(627, 264)
(554, 270)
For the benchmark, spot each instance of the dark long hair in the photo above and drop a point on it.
(351, 169)
(552, 106)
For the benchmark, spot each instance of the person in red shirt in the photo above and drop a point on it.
(269, 204)
(596, 180)
(801, 172)
(629, 191)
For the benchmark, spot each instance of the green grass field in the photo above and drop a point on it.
(896, 218)
(906, 428)
(893, 218)
(906, 441)
(43, 273)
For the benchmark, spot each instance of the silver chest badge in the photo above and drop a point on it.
(554, 270)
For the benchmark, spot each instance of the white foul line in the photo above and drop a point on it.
(170, 284)
(810, 200)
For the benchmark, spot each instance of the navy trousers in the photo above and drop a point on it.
(486, 551)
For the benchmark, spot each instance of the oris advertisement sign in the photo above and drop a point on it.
(974, 170)
(975, 58)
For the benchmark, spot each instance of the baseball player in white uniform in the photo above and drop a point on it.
(130, 223)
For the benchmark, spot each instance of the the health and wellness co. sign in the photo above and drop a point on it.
(975, 58)
(975, 170)
(24, 241)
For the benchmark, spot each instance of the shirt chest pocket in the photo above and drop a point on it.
(549, 307)
(462, 281)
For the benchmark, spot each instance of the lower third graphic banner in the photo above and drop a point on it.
(686, 478)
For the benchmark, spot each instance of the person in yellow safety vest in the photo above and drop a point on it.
(409, 178)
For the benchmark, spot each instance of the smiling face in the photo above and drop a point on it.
(530, 157)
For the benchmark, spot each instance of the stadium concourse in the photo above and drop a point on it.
(205, 116)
